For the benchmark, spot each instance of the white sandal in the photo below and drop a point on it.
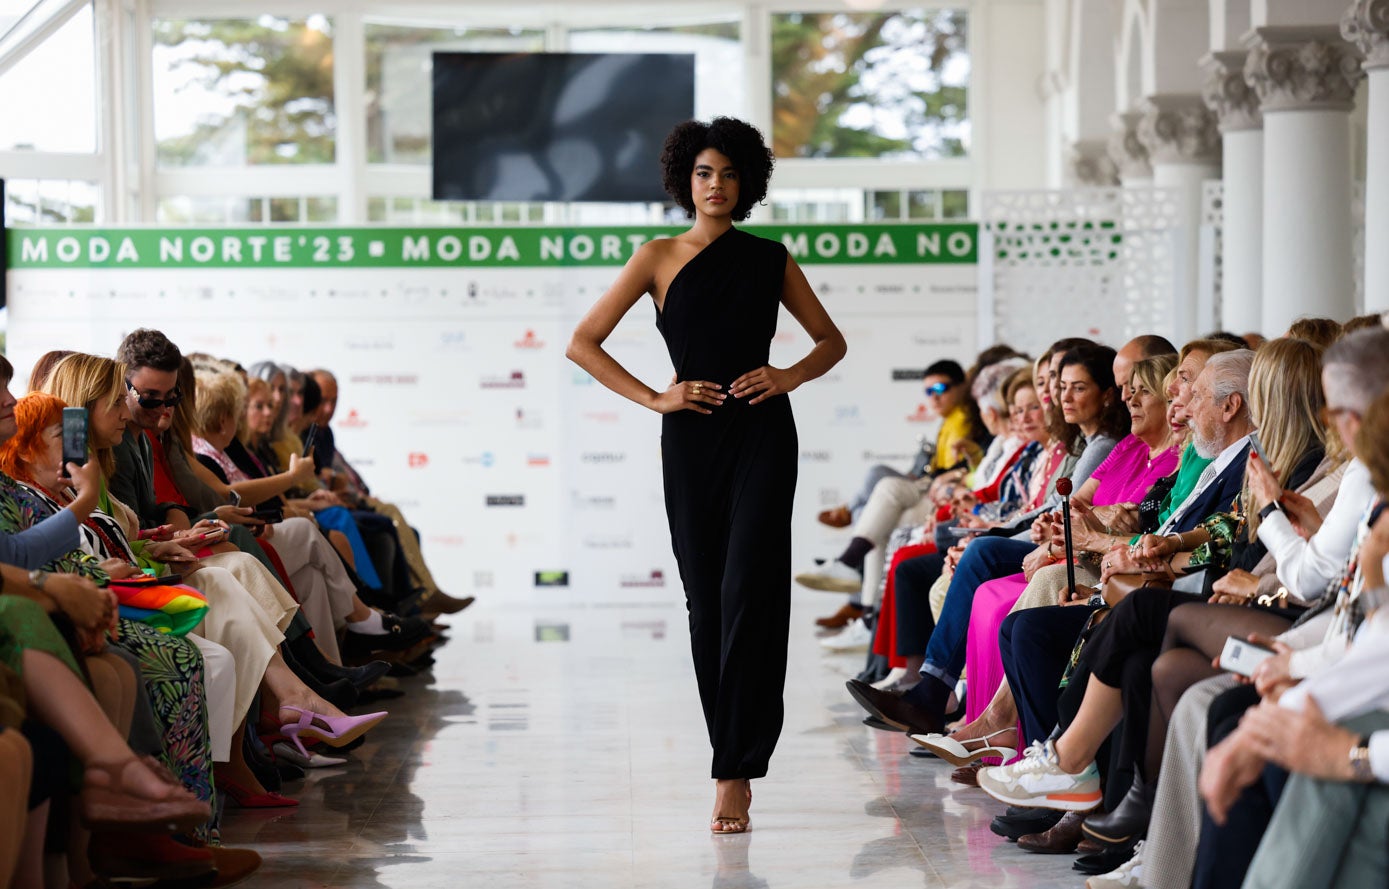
(955, 752)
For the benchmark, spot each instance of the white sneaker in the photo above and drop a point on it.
(1128, 875)
(1037, 780)
(832, 577)
(855, 637)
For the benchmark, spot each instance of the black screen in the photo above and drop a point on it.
(556, 126)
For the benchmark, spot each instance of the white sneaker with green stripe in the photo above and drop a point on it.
(1037, 780)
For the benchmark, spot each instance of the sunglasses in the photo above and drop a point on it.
(150, 403)
(937, 388)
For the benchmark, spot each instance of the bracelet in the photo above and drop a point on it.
(1050, 554)
(1360, 760)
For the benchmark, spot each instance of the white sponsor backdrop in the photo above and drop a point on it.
(456, 401)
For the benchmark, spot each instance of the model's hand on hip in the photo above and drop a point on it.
(763, 383)
(690, 395)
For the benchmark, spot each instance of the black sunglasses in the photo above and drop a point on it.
(149, 403)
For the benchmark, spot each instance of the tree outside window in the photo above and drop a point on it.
(882, 85)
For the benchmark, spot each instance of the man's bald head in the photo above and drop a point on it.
(1140, 347)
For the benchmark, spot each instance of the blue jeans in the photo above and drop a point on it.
(985, 559)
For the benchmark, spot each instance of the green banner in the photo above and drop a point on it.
(303, 248)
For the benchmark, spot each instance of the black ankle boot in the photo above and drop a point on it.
(338, 692)
(310, 658)
(1129, 820)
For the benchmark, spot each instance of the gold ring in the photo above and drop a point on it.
(697, 387)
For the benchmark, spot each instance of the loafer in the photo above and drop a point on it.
(841, 618)
(1060, 839)
(1020, 821)
(894, 709)
(1087, 846)
(875, 722)
(1103, 862)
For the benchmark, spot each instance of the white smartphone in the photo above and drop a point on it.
(1241, 656)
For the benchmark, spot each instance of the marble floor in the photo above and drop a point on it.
(559, 743)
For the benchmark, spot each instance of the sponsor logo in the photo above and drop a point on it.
(656, 629)
(353, 420)
(936, 340)
(529, 419)
(537, 459)
(552, 578)
(601, 416)
(506, 500)
(908, 374)
(484, 580)
(886, 457)
(815, 456)
(454, 541)
(847, 415)
(605, 457)
(529, 341)
(551, 632)
(486, 460)
(607, 541)
(370, 344)
(453, 340)
(657, 578)
(922, 414)
(889, 288)
(417, 459)
(432, 418)
(387, 379)
(515, 380)
(593, 501)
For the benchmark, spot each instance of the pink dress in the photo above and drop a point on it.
(1124, 477)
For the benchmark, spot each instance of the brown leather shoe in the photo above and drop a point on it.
(1087, 846)
(841, 618)
(967, 775)
(839, 517)
(894, 710)
(1060, 840)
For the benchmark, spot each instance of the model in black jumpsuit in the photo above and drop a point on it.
(729, 481)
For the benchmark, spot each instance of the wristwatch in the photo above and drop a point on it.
(1360, 760)
(37, 579)
(1269, 510)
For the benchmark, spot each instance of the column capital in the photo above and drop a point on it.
(1129, 154)
(1298, 68)
(1089, 164)
(1178, 128)
(1228, 94)
(1366, 24)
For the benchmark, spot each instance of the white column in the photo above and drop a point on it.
(1305, 77)
(1236, 105)
(1129, 154)
(1366, 24)
(1183, 145)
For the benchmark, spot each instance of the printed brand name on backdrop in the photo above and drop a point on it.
(424, 247)
(552, 578)
(506, 500)
(908, 374)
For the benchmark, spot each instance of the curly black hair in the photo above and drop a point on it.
(741, 142)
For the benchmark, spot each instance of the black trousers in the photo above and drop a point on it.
(912, 584)
(729, 483)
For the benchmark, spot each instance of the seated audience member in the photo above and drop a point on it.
(1092, 406)
(1320, 331)
(1220, 428)
(903, 501)
(1309, 555)
(1284, 392)
(344, 481)
(929, 458)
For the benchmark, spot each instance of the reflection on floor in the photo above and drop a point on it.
(560, 744)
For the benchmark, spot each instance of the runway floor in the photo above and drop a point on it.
(559, 743)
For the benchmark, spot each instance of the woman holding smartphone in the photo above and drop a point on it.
(728, 439)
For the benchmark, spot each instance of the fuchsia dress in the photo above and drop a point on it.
(1124, 477)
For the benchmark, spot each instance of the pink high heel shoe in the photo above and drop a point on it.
(335, 731)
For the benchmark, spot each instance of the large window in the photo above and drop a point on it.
(49, 96)
(398, 81)
(872, 85)
(51, 201)
(233, 92)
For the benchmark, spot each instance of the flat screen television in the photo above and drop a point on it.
(556, 126)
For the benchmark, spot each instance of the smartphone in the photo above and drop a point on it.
(209, 535)
(309, 438)
(74, 437)
(961, 533)
(1241, 656)
(1258, 447)
(269, 516)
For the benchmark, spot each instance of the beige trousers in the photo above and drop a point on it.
(248, 622)
(409, 546)
(325, 591)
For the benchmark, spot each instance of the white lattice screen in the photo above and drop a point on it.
(1098, 262)
(1211, 274)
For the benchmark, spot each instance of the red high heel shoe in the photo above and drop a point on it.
(335, 731)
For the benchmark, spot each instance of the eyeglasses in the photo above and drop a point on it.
(149, 402)
(937, 388)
